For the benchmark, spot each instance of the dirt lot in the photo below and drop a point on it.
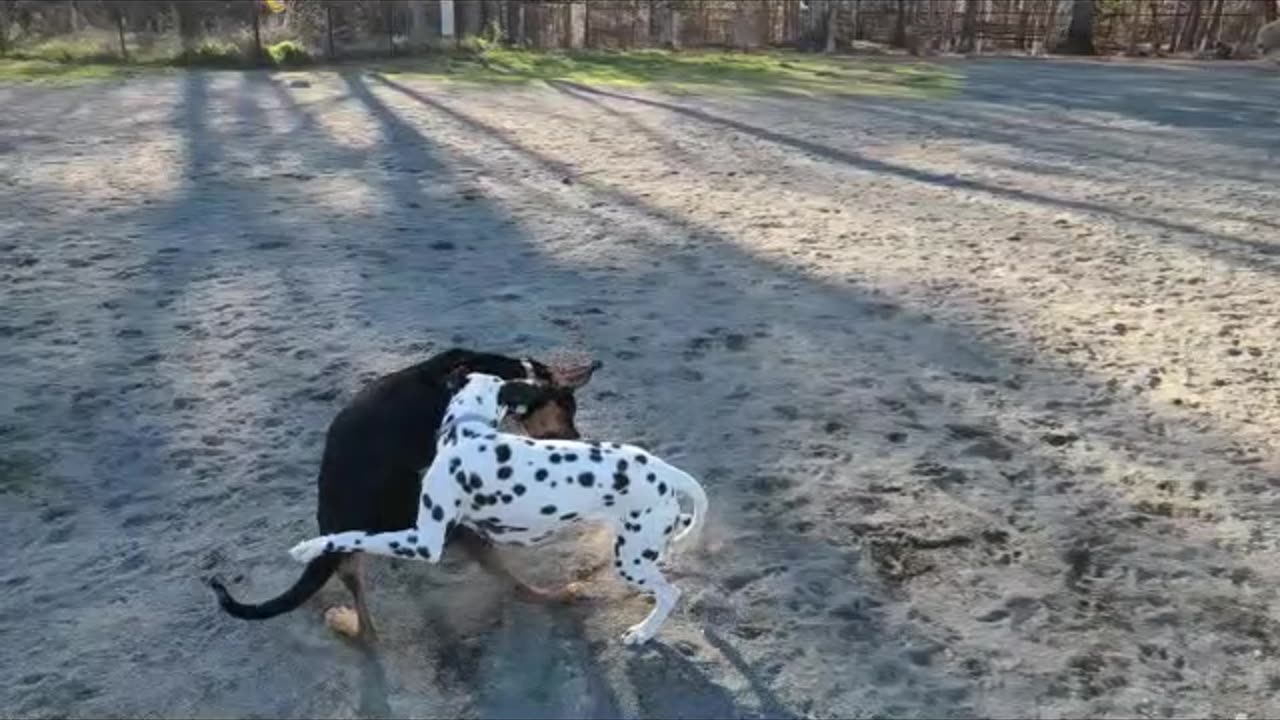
(983, 389)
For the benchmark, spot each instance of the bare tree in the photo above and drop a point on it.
(1191, 27)
(830, 26)
(969, 26)
(417, 25)
(6, 21)
(1080, 31)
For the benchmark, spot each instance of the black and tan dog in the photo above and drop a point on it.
(375, 452)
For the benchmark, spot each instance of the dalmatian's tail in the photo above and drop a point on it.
(686, 485)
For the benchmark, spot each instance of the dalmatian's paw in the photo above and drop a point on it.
(308, 550)
(636, 635)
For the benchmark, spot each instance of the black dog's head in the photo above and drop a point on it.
(543, 405)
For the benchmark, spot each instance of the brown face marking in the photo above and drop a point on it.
(553, 419)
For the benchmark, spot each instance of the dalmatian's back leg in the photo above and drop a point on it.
(636, 554)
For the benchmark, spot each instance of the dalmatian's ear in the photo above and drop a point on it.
(456, 379)
(519, 396)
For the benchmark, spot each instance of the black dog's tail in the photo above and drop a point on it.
(313, 578)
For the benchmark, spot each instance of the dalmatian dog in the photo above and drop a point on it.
(518, 490)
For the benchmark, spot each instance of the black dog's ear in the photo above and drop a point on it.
(456, 378)
(520, 396)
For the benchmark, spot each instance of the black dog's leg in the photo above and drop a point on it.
(483, 552)
(351, 572)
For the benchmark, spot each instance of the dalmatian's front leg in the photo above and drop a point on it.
(399, 543)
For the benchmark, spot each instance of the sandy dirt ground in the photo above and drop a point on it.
(983, 389)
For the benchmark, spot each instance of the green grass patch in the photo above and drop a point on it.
(61, 73)
(768, 72)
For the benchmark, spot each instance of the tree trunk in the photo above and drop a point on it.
(448, 19)
(389, 27)
(418, 24)
(900, 25)
(1191, 28)
(1135, 23)
(1212, 30)
(1051, 27)
(1023, 16)
(184, 16)
(328, 31)
(1080, 31)
(259, 58)
(832, 9)
(119, 13)
(969, 26)
(675, 26)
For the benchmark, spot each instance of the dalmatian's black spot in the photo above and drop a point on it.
(586, 479)
(454, 463)
(437, 514)
(553, 483)
(608, 502)
(662, 488)
(457, 503)
(476, 482)
(482, 448)
(667, 531)
(569, 516)
(595, 456)
(622, 465)
(554, 458)
(688, 521)
(506, 499)
(619, 542)
(642, 459)
(504, 472)
(615, 446)
(617, 563)
(620, 481)
(503, 453)
(424, 553)
(448, 528)
(412, 539)
(358, 542)
(635, 514)
(540, 475)
(529, 443)
(571, 457)
(426, 501)
(468, 434)
(640, 581)
(393, 544)
(461, 477)
(328, 547)
(548, 509)
(651, 477)
(649, 554)
(636, 561)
